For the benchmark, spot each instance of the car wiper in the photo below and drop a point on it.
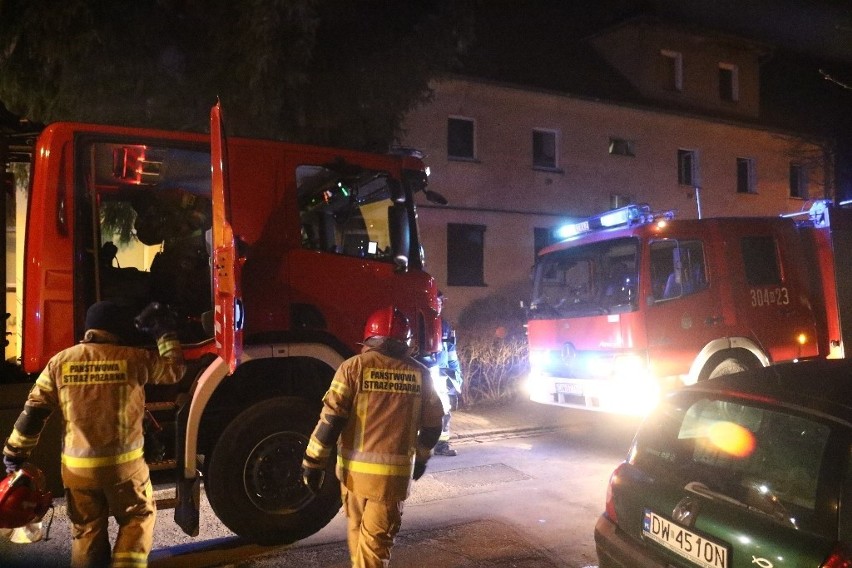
(769, 504)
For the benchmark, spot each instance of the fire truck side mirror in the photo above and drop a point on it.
(399, 234)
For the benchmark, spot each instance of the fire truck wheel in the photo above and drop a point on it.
(728, 363)
(254, 478)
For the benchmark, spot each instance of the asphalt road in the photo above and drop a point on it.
(526, 500)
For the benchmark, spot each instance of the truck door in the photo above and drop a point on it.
(683, 308)
(227, 260)
(770, 291)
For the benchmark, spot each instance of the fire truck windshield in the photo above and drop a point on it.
(585, 280)
(345, 212)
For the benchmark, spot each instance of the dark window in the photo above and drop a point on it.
(798, 182)
(761, 261)
(745, 175)
(621, 147)
(619, 200)
(727, 88)
(460, 138)
(465, 254)
(686, 167)
(544, 149)
(542, 238)
(672, 62)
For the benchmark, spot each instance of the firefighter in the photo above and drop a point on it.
(449, 382)
(98, 386)
(382, 413)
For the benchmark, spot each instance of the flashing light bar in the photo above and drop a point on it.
(819, 213)
(625, 216)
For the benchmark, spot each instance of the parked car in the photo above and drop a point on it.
(746, 470)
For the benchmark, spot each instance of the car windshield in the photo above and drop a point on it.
(767, 461)
(592, 279)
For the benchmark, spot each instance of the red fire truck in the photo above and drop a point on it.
(272, 263)
(633, 302)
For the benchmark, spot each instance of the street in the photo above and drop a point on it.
(525, 499)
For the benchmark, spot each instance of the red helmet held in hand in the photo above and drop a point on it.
(23, 497)
(388, 323)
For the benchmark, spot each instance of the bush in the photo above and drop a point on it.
(492, 350)
(493, 316)
(492, 368)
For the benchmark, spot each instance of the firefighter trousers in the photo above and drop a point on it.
(132, 504)
(371, 528)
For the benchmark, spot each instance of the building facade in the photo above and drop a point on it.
(516, 162)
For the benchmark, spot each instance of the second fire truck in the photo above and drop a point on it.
(632, 303)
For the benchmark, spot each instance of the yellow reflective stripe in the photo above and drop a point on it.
(167, 343)
(129, 559)
(125, 422)
(339, 387)
(44, 383)
(72, 461)
(21, 441)
(385, 469)
(317, 450)
(362, 403)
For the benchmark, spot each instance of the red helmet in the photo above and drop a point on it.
(388, 323)
(23, 497)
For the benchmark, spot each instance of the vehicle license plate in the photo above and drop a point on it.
(569, 388)
(695, 548)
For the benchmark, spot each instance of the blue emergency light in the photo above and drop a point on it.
(625, 216)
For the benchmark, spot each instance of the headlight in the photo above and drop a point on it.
(542, 359)
(627, 385)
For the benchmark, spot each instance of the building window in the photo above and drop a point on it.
(544, 149)
(621, 147)
(729, 84)
(672, 70)
(798, 181)
(460, 138)
(745, 176)
(687, 167)
(619, 200)
(465, 254)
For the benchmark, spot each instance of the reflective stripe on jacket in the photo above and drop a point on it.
(385, 401)
(99, 388)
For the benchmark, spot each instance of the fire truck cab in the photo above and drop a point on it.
(271, 255)
(632, 303)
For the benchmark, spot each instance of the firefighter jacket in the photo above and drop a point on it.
(385, 401)
(99, 387)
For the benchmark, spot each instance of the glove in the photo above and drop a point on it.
(313, 477)
(12, 464)
(419, 470)
(156, 319)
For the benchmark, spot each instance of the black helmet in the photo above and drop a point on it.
(108, 316)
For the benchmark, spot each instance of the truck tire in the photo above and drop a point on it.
(728, 363)
(254, 480)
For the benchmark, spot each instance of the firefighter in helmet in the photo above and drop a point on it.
(449, 383)
(383, 415)
(98, 386)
